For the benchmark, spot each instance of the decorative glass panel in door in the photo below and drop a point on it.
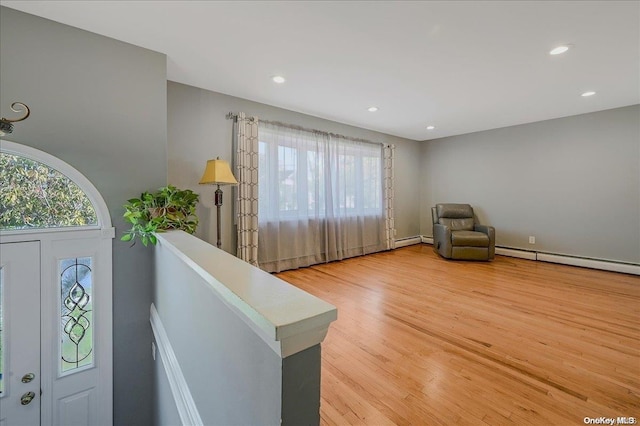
(76, 314)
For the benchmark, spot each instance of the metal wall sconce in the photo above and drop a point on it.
(6, 125)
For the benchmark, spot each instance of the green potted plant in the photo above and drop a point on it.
(167, 208)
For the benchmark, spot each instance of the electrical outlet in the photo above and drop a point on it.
(532, 240)
(153, 350)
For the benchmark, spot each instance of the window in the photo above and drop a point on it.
(33, 195)
(304, 174)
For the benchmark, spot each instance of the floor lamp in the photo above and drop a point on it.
(218, 173)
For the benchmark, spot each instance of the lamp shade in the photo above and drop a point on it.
(218, 172)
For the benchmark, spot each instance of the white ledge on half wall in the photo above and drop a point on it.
(287, 318)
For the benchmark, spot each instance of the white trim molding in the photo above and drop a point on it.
(625, 268)
(522, 254)
(605, 265)
(187, 410)
(409, 241)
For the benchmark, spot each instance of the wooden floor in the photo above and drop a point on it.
(420, 340)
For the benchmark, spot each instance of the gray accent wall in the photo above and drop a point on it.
(573, 183)
(100, 105)
(301, 387)
(198, 130)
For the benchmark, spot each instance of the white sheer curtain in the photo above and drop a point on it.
(321, 198)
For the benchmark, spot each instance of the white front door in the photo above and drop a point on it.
(56, 298)
(20, 334)
(55, 343)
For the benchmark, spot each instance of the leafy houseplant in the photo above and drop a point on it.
(167, 208)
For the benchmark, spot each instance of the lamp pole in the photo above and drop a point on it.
(218, 202)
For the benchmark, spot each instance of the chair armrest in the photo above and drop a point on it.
(490, 231)
(442, 239)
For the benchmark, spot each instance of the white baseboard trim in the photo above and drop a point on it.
(426, 240)
(522, 254)
(403, 242)
(185, 404)
(625, 268)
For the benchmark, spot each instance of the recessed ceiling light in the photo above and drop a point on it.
(585, 94)
(431, 127)
(559, 50)
(278, 79)
(372, 109)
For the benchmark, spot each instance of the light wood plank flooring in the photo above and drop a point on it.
(422, 340)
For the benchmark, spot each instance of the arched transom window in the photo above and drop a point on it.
(33, 195)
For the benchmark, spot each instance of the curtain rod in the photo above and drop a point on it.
(234, 116)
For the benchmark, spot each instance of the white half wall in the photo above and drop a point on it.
(231, 339)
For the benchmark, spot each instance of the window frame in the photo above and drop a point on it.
(99, 206)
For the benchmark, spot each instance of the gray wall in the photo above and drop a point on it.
(100, 105)
(198, 131)
(573, 183)
(301, 374)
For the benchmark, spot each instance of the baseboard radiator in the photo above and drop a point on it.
(403, 242)
(605, 265)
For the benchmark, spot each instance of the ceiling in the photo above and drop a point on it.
(459, 66)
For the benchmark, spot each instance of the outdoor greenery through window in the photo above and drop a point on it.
(33, 195)
(304, 176)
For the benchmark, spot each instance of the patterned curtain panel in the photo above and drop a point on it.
(388, 153)
(246, 132)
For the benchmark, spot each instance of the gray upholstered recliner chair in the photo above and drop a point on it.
(456, 235)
